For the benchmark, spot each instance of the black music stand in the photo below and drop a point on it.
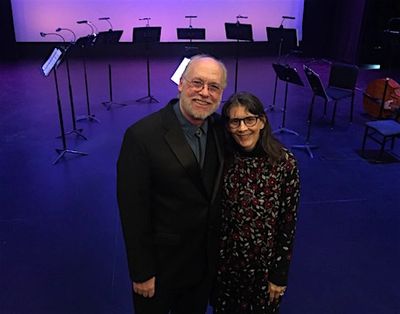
(191, 34)
(51, 64)
(84, 43)
(147, 35)
(283, 40)
(288, 75)
(74, 130)
(238, 32)
(104, 39)
(318, 90)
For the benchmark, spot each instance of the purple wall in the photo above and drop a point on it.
(34, 16)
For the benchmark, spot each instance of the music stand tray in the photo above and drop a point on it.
(239, 31)
(191, 33)
(315, 83)
(284, 39)
(108, 37)
(53, 61)
(288, 75)
(85, 41)
(146, 35)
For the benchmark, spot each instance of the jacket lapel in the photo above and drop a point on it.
(176, 140)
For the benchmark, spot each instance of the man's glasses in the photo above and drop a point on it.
(197, 85)
(248, 121)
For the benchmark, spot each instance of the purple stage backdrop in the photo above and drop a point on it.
(34, 16)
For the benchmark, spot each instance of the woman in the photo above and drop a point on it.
(260, 198)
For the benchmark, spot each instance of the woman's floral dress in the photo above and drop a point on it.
(258, 224)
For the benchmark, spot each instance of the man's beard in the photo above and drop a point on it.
(200, 114)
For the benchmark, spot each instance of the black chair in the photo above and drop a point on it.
(342, 84)
(382, 131)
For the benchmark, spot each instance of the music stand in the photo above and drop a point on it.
(283, 40)
(288, 75)
(83, 43)
(238, 32)
(74, 130)
(66, 50)
(102, 40)
(318, 90)
(51, 64)
(191, 34)
(147, 35)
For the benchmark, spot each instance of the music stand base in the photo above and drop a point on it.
(285, 130)
(109, 104)
(62, 152)
(148, 99)
(307, 147)
(77, 132)
(89, 117)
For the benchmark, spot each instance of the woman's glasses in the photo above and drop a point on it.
(248, 121)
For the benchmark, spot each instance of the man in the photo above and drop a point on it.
(169, 170)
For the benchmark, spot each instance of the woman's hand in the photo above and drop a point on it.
(275, 292)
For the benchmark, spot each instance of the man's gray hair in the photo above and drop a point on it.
(202, 56)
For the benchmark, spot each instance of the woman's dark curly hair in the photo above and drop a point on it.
(271, 146)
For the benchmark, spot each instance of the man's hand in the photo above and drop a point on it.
(146, 288)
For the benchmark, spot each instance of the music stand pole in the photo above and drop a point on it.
(90, 117)
(272, 106)
(148, 77)
(74, 130)
(283, 129)
(307, 146)
(62, 151)
(237, 64)
(149, 98)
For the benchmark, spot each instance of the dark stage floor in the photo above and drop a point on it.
(61, 247)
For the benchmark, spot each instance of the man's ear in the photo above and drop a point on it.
(180, 85)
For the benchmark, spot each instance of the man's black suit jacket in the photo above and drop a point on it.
(169, 207)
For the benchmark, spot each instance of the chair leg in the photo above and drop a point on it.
(364, 140)
(333, 114)
(309, 120)
(392, 142)
(352, 108)
(382, 147)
